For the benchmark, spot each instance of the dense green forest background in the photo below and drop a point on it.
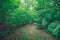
(16, 13)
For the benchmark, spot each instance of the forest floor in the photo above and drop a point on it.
(29, 32)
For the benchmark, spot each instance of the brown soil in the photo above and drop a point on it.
(41, 31)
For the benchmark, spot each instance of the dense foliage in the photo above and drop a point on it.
(12, 16)
(50, 16)
(44, 13)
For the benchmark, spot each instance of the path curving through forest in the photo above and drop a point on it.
(29, 32)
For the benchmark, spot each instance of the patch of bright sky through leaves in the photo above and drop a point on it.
(30, 7)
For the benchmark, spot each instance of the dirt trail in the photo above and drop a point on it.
(29, 32)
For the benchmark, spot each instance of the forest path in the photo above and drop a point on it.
(29, 32)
